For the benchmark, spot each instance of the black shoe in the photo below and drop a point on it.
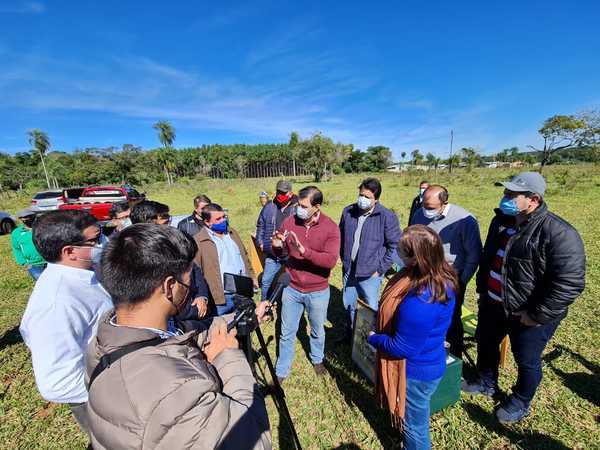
(320, 369)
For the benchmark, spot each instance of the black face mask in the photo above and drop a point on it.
(27, 223)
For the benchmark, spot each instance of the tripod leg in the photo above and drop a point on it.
(279, 393)
(249, 353)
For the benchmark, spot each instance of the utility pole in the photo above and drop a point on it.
(450, 158)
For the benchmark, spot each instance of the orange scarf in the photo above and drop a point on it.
(390, 387)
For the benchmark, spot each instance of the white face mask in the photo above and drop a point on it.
(303, 213)
(364, 203)
(422, 191)
(95, 256)
(431, 213)
(125, 223)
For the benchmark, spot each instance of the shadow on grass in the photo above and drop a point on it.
(584, 385)
(11, 337)
(339, 364)
(532, 440)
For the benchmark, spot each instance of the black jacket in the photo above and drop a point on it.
(190, 225)
(416, 204)
(544, 266)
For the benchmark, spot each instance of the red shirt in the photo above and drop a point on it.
(321, 240)
(495, 276)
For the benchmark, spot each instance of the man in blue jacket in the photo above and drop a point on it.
(270, 219)
(370, 234)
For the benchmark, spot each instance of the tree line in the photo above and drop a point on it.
(566, 139)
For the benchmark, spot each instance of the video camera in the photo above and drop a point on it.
(242, 287)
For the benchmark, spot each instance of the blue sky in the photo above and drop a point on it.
(401, 74)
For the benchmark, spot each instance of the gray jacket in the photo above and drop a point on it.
(170, 397)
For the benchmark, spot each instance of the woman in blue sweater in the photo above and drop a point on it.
(414, 316)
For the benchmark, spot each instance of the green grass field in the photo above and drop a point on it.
(338, 410)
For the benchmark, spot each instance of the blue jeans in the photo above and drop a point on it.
(227, 307)
(272, 268)
(293, 304)
(416, 416)
(367, 288)
(36, 271)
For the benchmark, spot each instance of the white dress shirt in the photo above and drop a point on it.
(60, 320)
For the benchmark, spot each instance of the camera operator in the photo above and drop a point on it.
(198, 309)
(192, 390)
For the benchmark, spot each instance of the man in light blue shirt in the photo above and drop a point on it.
(230, 259)
(64, 308)
(220, 251)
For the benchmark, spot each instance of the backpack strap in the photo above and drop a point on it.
(112, 357)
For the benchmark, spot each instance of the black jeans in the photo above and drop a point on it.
(527, 345)
(455, 334)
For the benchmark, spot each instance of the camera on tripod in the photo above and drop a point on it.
(246, 322)
(242, 288)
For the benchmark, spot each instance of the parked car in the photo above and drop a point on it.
(7, 223)
(47, 200)
(99, 199)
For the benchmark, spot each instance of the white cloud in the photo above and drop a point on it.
(305, 100)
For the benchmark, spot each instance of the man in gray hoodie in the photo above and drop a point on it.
(152, 386)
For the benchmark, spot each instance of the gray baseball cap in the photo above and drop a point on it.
(283, 186)
(527, 182)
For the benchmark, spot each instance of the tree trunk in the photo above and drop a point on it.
(45, 171)
(167, 176)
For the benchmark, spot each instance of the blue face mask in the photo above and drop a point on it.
(509, 206)
(220, 227)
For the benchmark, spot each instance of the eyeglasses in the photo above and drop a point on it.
(92, 242)
(186, 286)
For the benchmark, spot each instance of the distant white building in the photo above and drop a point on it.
(403, 167)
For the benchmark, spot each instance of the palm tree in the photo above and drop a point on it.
(417, 157)
(430, 159)
(166, 136)
(40, 141)
(470, 156)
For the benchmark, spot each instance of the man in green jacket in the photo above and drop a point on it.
(22, 245)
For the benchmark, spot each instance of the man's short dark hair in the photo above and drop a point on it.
(423, 182)
(313, 193)
(208, 209)
(141, 257)
(147, 211)
(56, 229)
(373, 185)
(201, 199)
(118, 208)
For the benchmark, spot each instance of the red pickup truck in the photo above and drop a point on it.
(98, 199)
